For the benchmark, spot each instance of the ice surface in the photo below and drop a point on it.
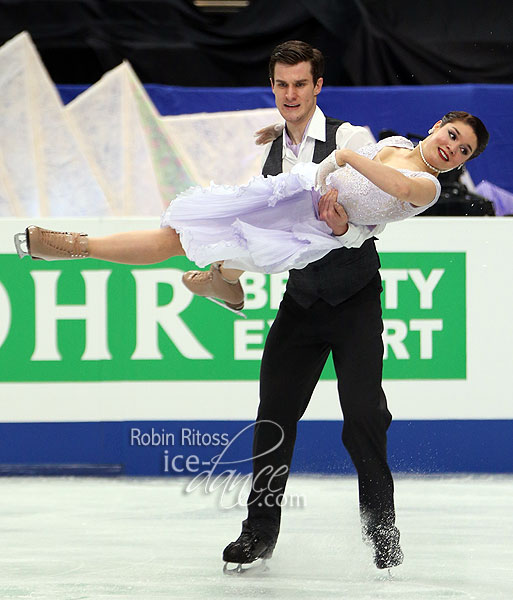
(147, 538)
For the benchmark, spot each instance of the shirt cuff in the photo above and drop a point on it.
(351, 237)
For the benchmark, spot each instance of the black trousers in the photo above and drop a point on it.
(296, 350)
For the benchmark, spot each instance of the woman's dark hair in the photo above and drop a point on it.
(477, 125)
(294, 52)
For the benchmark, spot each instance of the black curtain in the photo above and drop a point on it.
(366, 42)
(432, 43)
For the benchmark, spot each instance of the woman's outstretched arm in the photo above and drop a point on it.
(417, 191)
(137, 247)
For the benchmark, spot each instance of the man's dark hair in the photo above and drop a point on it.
(294, 52)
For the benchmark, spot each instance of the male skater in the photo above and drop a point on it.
(331, 305)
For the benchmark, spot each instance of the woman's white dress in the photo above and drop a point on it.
(271, 224)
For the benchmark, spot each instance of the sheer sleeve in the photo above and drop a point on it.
(327, 166)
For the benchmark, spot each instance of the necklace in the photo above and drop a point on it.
(426, 162)
(429, 166)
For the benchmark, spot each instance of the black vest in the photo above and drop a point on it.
(341, 273)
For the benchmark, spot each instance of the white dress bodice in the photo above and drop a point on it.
(364, 202)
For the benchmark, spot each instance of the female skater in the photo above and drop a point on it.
(278, 223)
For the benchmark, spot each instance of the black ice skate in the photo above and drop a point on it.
(248, 548)
(387, 551)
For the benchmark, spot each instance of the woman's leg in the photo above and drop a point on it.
(229, 275)
(137, 247)
(133, 247)
(232, 275)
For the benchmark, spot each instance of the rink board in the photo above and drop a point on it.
(207, 449)
(117, 369)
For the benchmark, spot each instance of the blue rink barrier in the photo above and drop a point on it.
(188, 448)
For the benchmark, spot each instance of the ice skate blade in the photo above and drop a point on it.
(388, 574)
(247, 571)
(20, 239)
(236, 312)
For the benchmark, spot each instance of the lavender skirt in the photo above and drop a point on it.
(270, 225)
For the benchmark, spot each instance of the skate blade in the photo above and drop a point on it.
(20, 241)
(223, 305)
(388, 574)
(246, 571)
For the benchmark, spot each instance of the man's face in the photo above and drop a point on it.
(295, 92)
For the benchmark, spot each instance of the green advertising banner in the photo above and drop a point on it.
(95, 321)
(424, 315)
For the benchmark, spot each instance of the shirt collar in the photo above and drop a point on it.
(317, 127)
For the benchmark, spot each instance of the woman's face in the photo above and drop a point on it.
(449, 145)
